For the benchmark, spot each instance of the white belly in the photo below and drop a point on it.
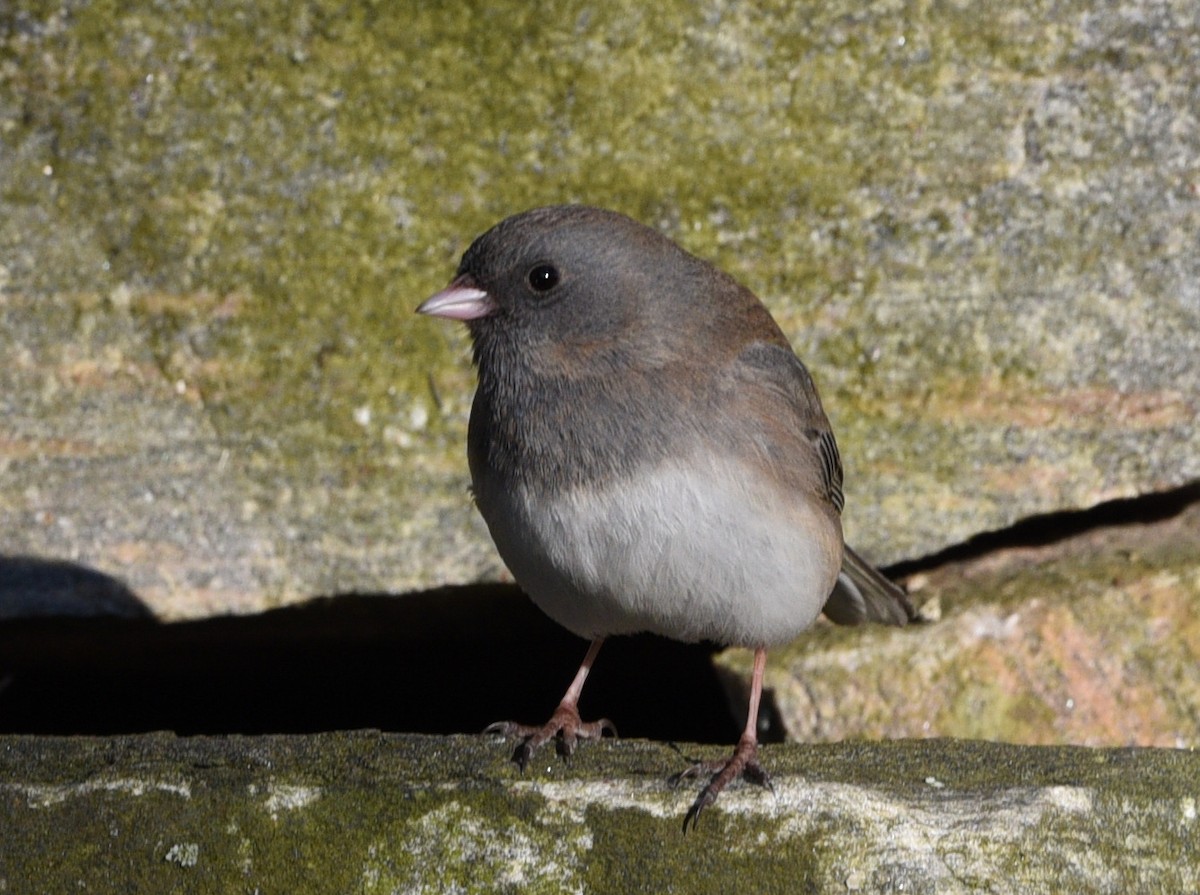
(692, 553)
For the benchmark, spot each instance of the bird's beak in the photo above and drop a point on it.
(461, 300)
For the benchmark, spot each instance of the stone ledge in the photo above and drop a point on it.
(372, 812)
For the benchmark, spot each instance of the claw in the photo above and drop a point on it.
(692, 818)
(504, 728)
(522, 754)
(743, 763)
(564, 726)
(689, 772)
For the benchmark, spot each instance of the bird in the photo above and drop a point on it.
(649, 455)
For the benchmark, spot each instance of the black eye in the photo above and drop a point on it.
(543, 278)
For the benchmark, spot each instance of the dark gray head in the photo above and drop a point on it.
(578, 280)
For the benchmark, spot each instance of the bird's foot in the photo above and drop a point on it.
(743, 763)
(564, 726)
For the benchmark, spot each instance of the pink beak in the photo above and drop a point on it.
(461, 300)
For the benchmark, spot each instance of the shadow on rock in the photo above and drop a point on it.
(30, 587)
(445, 661)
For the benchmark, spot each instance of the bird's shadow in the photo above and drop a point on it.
(445, 661)
(32, 586)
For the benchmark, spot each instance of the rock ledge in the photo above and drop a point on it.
(371, 812)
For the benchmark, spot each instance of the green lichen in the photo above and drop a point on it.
(270, 190)
(300, 158)
(435, 814)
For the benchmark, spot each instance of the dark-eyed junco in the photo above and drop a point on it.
(649, 454)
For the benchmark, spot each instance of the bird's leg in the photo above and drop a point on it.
(565, 723)
(743, 762)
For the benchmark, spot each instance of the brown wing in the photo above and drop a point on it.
(792, 409)
(862, 593)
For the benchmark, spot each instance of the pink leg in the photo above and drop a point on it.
(565, 723)
(743, 762)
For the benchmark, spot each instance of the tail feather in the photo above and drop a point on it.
(863, 594)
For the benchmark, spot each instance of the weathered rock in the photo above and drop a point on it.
(1092, 640)
(979, 231)
(365, 812)
(109, 465)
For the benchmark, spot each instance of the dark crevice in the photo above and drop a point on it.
(1051, 528)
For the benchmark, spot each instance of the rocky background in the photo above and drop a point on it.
(977, 225)
(233, 491)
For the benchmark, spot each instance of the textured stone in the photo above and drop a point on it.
(978, 230)
(364, 812)
(1091, 640)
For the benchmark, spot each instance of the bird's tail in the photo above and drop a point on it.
(862, 594)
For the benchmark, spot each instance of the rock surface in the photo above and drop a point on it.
(1093, 640)
(365, 812)
(979, 231)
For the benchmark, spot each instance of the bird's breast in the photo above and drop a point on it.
(699, 547)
